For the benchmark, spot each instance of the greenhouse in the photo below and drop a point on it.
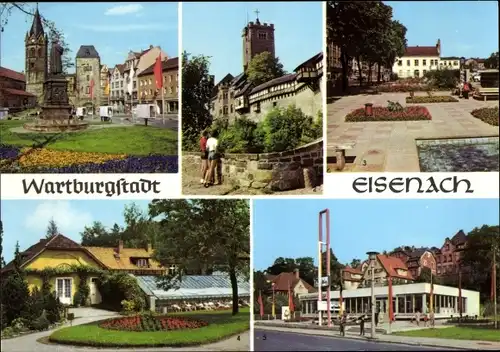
(194, 292)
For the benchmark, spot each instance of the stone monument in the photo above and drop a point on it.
(56, 111)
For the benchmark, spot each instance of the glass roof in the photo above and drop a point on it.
(195, 287)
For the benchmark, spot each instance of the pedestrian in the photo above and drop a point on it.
(343, 321)
(376, 317)
(466, 90)
(417, 318)
(425, 320)
(213, 159)
(204, 155)
(432, 319)
(362, 326)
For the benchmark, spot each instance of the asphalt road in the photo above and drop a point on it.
(287, 341)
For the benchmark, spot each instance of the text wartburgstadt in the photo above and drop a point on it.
(109, 188)
(411, 185)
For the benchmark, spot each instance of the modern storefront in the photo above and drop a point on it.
(407, 300)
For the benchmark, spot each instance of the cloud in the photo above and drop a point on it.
(127, 27)
(64, 214)
(121, 10)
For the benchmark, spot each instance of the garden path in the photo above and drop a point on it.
(390, 146)
(87, 315)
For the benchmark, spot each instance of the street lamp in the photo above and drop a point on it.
(372, 257)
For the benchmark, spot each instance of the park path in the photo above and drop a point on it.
(419, 341)
(30, 342)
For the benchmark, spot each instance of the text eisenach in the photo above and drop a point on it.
(411, 184)
(109, 188)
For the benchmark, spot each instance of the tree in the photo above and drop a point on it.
(264, 67)
(2, 261)
(17, 258)
(335, 269)
(282, 265)
(197, 88)
(139, 229)
(477, 258)
(492, 61)
(53, 33)
(355, 263)
(97, 235)
(52, 229)
(211, 231)
(425, 275)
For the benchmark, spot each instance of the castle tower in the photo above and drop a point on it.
(36, 64)
(257, 38)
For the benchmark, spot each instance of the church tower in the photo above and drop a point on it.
(36, 64)
(257, 38)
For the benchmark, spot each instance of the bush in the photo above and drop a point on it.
(116, 287)
(403, 88)
(7, 332)
(239, 137)
(412, 113)
(41, 323)
(15, 297)
(431, 99)
(443, 78)
(488, 115)
(128, 306)
(54, 308)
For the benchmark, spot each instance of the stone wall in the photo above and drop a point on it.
(86, 70)
(298, 168)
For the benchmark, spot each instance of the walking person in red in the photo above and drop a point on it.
(204, 155)
(466, 90)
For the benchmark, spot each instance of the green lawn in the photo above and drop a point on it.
(221, 325)
(134, 140)
(456, 333)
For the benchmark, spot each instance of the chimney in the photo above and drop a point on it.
(296, 273)
(149, 247)
(120, 246)
(438, 47)
(150, 46)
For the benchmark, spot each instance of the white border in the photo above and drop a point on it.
(324, 95)
(179, 97)
(252, 339)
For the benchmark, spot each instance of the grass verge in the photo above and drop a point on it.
(455, 333)
(132, 140)
(221, 325)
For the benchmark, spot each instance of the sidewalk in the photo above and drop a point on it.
(354, 334)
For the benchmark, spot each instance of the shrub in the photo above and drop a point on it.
(443, 78)
(54, 308)
(7, 332)
(116, 287)
(41, 323)
(403, 88)
(240, 137)
(19, 325)
(394, 106)
(431, 99)
(488, 115)
(128, 306)
(412, 113)
(15, 296)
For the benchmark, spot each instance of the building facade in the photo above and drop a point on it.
(13, 94)
(117, 88)
(416, 260)
(104, 80)
(285, 282)
(88, 69)
(257, 38)
(36, 60)
(448, 256)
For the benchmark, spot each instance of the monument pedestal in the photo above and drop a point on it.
(56, 103)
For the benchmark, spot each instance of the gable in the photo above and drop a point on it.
(51, 258)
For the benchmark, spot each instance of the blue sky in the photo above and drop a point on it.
(289, 228)
(113, 28)
(214, 29)
(466, 28)
(26, 220)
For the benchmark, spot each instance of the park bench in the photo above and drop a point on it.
(340, 154)
(486, 92)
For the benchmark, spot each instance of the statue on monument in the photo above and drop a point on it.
(56, 54)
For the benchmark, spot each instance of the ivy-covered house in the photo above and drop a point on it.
(73, 269)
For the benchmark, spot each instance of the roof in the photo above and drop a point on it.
(17, 92)
(36, 27)
(421, 51)
(195, 286)
(170, 64)
(11, 74)
(311, 62)
(120, 68)
(284, 280)
(121, 260)
(459, 238)
(348, 271)
(87, 52)
(450, 58)
(280, 80)
(391, 264)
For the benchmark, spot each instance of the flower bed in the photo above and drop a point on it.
(411, 113)
(488, 115)
(54, 161)
(431, 99)
(152, 323)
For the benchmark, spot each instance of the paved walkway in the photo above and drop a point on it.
(420, 341)
(87, 315)
(390, 146)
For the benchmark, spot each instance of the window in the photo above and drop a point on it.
(32, 65)
(232, 108)
(88, 78)
(424, 72)
(262, 35)
(32, 52)
(408, 73)
(400, 62)
(39, 52)
(455, 63)
(408, 63)
(135, 85)
(224, 96)
(275, 104)
(225, 110)
(424, 62)
(400, 73)
(87, 90)
(416, 62)
(142, 263)
(121, 84)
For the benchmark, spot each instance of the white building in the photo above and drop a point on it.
(407, 300)
(417, 60)
(117, 88)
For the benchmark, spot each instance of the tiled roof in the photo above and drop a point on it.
(459, 238)
(36, 27)
(348, 272)
(11, 74)
(170, 64)
(11, 91)
(120, 68)
(311, 62)
(284, 280)
(195, 287)
(122, 260)
(421, 51)
(391, 264)
(87, 52)
(280, 80)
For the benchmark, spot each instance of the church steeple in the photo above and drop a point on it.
(37, 27)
